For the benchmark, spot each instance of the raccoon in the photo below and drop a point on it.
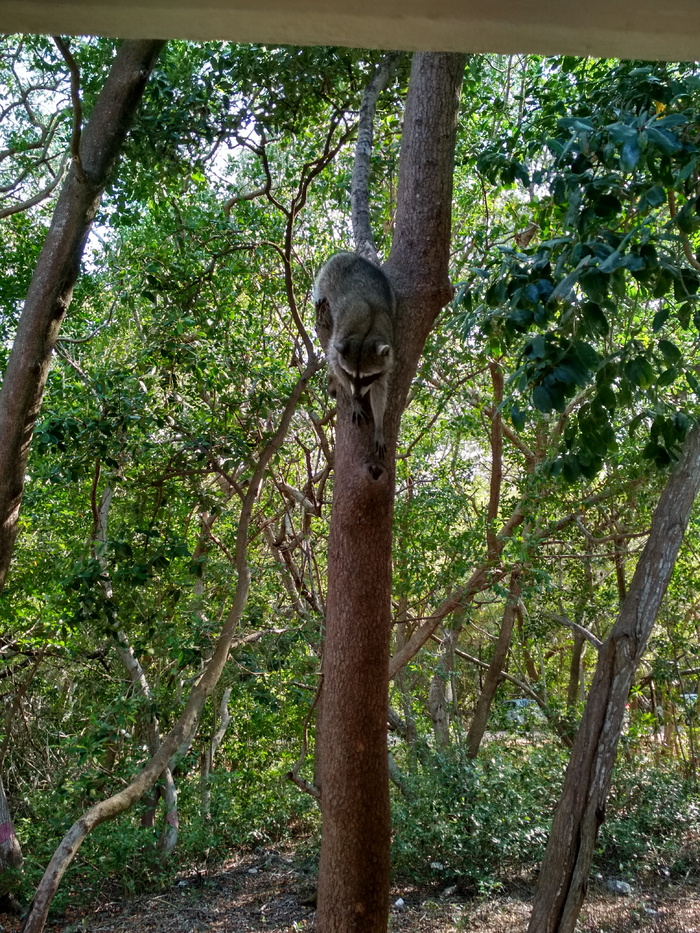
(355, 307)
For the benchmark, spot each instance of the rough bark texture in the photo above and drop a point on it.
(353, 892)
(581, 810)
(575, 670)
(51, 288)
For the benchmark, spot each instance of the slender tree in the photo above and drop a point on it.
(94, 152)
(581, 810)
(354, 870)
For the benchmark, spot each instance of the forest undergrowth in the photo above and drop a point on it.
(468, 840)
(271, 889)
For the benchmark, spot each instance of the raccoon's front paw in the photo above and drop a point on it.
(380, 448)
(359, 415)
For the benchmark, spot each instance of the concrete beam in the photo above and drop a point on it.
(605, 28)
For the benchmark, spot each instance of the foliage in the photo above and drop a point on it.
(475, 823)
(574, 252)
(651, 820)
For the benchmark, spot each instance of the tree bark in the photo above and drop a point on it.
(364, 239)
(353, 892)
(575, 669)
(51, 289)
(581, 810)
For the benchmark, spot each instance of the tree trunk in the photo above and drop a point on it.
(10, 851)
(51, 289)
(581, 810)
(353, 891)
(493, 675)
(440, 693)
(575, 671)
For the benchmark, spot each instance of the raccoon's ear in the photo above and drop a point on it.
(383, 349)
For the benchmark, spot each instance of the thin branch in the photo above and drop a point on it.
(95, 331)
(293, 775)
(65, 51)
(496, 439)
(359, 192)
(687, 248)
(520, 684)
(249, 196)
(574, 626)
(184, 729)
(309, 171)
(17, 703)
(37, 198)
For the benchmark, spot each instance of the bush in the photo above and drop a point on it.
(651, 811)
(477, 821)
(248, 807)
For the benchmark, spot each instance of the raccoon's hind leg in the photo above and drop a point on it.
(378, 398)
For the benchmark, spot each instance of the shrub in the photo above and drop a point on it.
(478, 821)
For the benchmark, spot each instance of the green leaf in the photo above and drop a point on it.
(670, 351)
(596, 321)
(594, 284)
(606, 396)
(684, 315)
(693, 383)
(535, 349)
(667, 377)
(663, 140)
(653, 197)
(542, 399)
(629, 155)
(579, 124)
(586, 353)
(517, 417)
(640, 372)
(660, 318)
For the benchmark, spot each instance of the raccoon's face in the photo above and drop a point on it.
(364, 363)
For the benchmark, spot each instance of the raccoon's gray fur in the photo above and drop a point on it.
(355, 307)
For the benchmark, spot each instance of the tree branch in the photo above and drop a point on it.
(37, 198)
(51, 288)
(65, 51)
(574, 626)
(359, 190)
(687, 248)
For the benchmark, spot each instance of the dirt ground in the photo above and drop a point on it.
(265, 891)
